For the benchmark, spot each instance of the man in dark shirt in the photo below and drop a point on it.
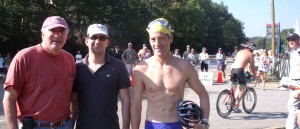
(118, 53)
(100, 80)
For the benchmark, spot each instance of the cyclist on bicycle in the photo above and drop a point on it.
(243, 57)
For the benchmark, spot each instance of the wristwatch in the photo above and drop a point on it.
(205, 123)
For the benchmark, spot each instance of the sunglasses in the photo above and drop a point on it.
(101, 38)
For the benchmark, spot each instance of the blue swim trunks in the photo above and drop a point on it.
(171, 125)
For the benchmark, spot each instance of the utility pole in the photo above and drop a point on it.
(273, 28)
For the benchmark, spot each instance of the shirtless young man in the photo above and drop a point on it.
(163, 79)
(243, 57)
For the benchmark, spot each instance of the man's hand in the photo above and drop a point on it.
(198, 126)
(294, 87)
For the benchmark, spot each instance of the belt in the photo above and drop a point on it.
(50, 125)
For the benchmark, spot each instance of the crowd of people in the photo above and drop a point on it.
(46, 88)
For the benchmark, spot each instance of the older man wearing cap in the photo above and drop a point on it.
(163, 77)
(39, 81)
(294, 100)
(100, 80)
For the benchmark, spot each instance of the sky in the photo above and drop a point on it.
(255, 14)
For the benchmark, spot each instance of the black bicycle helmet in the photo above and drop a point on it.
(249, 45)
(189, 112)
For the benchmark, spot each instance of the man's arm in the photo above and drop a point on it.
(125, 101)
(10, 109)
(252, 67)
(140, 55)
(198, 87)
(136, 105)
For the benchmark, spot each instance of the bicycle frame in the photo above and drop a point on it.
(227, 98)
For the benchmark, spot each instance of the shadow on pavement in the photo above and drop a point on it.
(260, 116)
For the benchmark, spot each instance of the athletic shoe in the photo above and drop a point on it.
(236, 110)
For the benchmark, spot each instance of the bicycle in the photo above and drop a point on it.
(226, 101)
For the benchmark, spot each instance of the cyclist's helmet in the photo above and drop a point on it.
(189, 112)
(249, 45)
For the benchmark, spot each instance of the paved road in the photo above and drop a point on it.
(270, 111)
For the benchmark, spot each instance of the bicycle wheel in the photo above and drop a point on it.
(225, 103)
(249, 100)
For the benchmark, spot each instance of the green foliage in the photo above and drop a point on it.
(200, 23)
(261, 42)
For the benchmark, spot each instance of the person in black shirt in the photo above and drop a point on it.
(118, 53)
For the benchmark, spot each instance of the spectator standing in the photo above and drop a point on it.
(220, 57)
(176, 53)
(204, 60)
(78, 57)
(263, 68)
(118, 52)
(163, 77)
(294, 100)
(193, 57)
(144, 53)
(100, 80)
(129, 56)
(39, 81)
(2, 68)
(7, 61)
(233, 55)
(256, 60)
(186, 53)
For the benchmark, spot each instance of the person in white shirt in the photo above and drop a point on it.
(176, 54)
(204, 60)
(263, 68)
(78, 57)
(294, 100)
(256, 60)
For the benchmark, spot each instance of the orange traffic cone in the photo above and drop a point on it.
(219, 80)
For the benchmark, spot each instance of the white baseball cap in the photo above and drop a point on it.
(97, 29)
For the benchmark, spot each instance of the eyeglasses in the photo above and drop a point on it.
(101, 38)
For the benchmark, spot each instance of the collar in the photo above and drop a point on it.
(106, 60)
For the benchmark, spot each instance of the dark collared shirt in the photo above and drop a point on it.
(98, 93)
